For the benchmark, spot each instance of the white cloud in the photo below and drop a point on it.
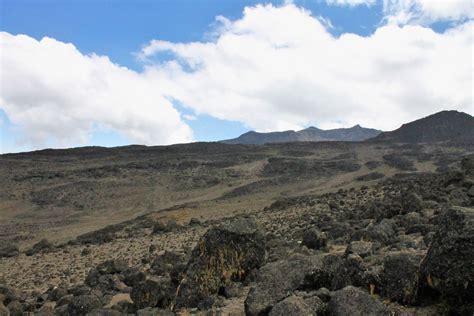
(427, 11)
(58, 96)
(278, 68)
(351, 3)
(275, 68)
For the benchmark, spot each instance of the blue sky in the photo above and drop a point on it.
(121, 29)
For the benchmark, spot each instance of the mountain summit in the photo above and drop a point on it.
(310, 134)
(438, 127)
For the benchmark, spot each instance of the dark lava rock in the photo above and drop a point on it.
(448, 266)
(42, 246)
(383, 232)
(96, 237)
(276, 279)
(8, 249)
(360, 248)
(133, 276)
(400, 276)
(336, 272)
(163, 227)
(411, 202)
(153, 293)
(10, 294)
(292, 305)
(224, 254)
(56, 293)
(352, 301)
(112, 266)
(165, 262)
(314, 239)
(83, 304)
(103, 274)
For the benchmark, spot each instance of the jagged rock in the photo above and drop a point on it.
(153, 293)
(291, 306)
(9, 294)
(103, 275)
(448, 266)
(382, 232)
(8, 249)
(224, 254)
(41, 246)
(112, 266)
(400, 276)
(314, 239)
(411, 202)
(133, 276)
(336, 272)
(165, 262)
(276, 279)
(83, 304)
(57, 293)
(352, 301)
(360, 248)
(163, 227)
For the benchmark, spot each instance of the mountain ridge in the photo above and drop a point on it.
(354, 133)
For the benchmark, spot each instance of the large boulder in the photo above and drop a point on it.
(400, 276)
(224, 254)
(105, 275)
(43, 245)
(83, 304)
(336, 272)
(164, 263)
(9, 293)
(292, 306)
(314, 239)
(276, 279)
(157, 292)
(360, 248)
(383, 232)
(448, 266)
(352, 301)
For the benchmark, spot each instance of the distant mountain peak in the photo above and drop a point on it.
(448, 125)
(355, 133)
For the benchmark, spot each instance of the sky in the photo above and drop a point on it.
(115, 72)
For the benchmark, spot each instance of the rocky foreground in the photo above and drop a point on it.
(404, 246)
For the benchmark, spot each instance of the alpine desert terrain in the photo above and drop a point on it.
(383, 226)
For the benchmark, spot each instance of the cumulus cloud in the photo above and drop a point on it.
(279, 68)
(427, 11)
(275, 68)
(58, 96)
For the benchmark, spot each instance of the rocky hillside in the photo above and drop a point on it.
(443, 126)
(402, 246)
(311, 134)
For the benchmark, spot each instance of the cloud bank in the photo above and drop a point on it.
(275, 68)
(57, 95)
(279, 68)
